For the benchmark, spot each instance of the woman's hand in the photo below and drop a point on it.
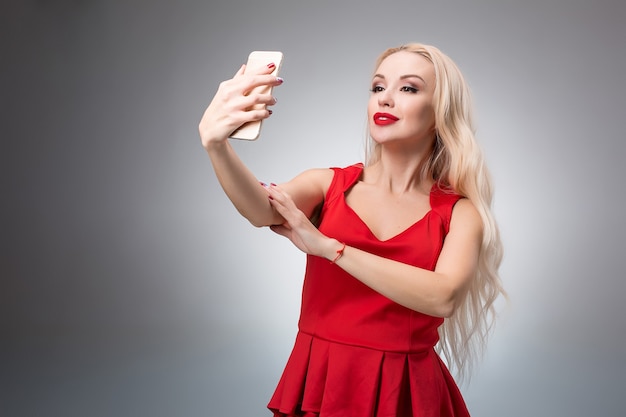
(298, 228)
(234, 102)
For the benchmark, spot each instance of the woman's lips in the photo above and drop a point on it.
(383, 119)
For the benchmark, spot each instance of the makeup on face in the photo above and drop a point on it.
(384, 119)
(400, 104)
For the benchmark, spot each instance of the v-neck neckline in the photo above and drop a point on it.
(393, 237)
(369, 229)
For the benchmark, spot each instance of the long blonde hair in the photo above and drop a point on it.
(457, 161)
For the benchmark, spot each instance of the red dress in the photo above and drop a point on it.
(357, 353)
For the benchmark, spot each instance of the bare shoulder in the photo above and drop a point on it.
(319, 178)
(319, 174)
(466, 217)
(461, 247)
(308, 188)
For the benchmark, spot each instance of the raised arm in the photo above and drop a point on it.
(230, 108)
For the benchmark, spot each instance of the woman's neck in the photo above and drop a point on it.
(399, 172)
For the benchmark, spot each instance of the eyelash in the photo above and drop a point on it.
(406, 88)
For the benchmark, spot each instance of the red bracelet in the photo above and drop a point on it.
(339, 253)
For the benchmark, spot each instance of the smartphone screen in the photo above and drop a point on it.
(256, 59)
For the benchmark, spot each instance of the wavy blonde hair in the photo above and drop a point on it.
(457, 161)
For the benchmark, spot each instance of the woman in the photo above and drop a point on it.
(398, 244)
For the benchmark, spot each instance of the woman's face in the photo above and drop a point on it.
(400, 107)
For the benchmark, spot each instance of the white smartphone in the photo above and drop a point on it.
(256, 59)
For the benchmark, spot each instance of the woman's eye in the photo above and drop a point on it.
(376, 89)
(409, 89)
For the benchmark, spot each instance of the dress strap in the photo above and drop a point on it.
(343, 179)
(442, 201)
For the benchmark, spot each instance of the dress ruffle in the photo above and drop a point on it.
(329, 379)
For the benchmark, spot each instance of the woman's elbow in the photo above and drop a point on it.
(257, 222)
(443, 309)
(447, 306)
(259, 219)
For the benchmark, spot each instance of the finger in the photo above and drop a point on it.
(256, 70)
(277, 197)
(274, 201)
(281, 230)
(282, 198)
(241, 70)
(256, 101)
(246, 108)
(237, 117)
(258, 114)
(281, 209)
(262, 82)
(264, 68)
(286, 207)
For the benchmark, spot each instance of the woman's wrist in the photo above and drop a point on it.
(219, 149)
(214, 145)
(335, 250)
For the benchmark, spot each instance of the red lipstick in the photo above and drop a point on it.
(384, 119)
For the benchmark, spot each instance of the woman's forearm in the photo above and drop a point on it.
(415, 288)
(437, 292)
(241, 186)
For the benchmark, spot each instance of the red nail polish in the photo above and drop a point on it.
(270, 197)
(273, 184)
(271, 65)
(270, 112)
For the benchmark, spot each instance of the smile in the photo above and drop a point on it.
(383, 119)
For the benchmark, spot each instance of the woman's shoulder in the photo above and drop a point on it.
(356, 167)
(325, 176)
(452, 205)
(466, 220)
(465, 209)
(318, 175)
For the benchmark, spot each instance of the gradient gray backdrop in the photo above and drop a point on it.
(129, 285)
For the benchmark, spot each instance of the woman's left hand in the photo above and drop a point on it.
(297, 227)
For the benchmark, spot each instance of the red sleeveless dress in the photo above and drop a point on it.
(357, 353)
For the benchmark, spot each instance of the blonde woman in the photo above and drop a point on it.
(403, 251)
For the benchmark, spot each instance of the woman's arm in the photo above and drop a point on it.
(229, 109)
(430, 292)
(250, 198)
(241, 186)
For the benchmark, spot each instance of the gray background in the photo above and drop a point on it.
(129, 285)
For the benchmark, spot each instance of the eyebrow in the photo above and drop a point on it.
(403, 77)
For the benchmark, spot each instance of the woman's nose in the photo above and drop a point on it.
(385, 99)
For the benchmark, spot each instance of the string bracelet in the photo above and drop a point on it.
(339, 253)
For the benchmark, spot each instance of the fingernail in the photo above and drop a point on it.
(273, 184)
(262, 183)
(270, 197)
(271, 112)
(271, 65)
(279, 80)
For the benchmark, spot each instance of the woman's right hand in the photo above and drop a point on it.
(234, 102)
